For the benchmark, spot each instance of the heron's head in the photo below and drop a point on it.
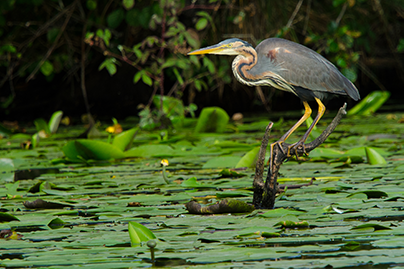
(232, 46)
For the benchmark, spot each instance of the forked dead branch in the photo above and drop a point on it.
(265, 192)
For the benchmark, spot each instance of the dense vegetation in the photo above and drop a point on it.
(118, 54)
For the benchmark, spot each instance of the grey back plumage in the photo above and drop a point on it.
(302, 68)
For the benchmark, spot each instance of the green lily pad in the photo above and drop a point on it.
(370, 227)
(249, 159)
(375, 194)
(370, 104)
(56, 223)
(124, 139)
(292, 224)
(222, 162)
(150, 151)
(280, 212)
(212, 119)
(84, 149)
(5, 217)
(374, 158)
(54, 121)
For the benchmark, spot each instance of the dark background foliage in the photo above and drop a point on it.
(118, 54)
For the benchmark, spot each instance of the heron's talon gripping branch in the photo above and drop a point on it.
(265, 192)
(299, 148)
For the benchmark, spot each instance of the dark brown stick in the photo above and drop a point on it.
(258, 183)
(264, 193)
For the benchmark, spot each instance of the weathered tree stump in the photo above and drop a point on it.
(265, 192)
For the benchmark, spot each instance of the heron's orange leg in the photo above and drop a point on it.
(306, 115)
(320, 113)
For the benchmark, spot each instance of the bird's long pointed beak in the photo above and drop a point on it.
(207, 50)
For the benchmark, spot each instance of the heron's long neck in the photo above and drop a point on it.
(243, 63)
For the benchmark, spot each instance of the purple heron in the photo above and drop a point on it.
(287, 66)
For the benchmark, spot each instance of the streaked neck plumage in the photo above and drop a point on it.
(243, 63)
(242, 69)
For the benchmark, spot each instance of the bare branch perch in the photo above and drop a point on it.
(258, 183)
(264, 193)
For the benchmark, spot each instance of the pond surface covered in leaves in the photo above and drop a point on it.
(354, 210)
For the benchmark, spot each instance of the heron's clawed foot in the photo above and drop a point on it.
(297, 147)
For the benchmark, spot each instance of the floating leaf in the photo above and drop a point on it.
(5, 217)
(249, 159)
(280, 212)
(150, 150)
(370, 104)
(139, 233)
(327, 153)
(12, 187)
(292, 224)
(191, 183)
(123, 140)
(212, 119)
(194, 183)
(54, 121)
(231, 144)
(371, 194)
(351, 246)
(332, 209)
(230, 173)
(221, 162)
(389, 243)
(257, 230)
(374, 158)
(227, 194)
(56, 223)
(6, 170)
(84, 149)
(361, 151)
(370, 227)
(269, 234)
(258, 125)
